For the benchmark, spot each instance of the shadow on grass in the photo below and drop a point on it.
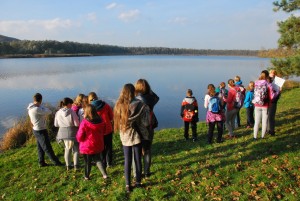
(245, 148)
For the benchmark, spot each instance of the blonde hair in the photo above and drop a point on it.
(237, 78)
(78, 100)
(273, 72)
(121, 109)
(142, 87)
(85, 101)
(263, 76)
(92, 96)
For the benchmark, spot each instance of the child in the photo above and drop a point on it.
(189, 114)
(215, 114)
(131, 124)
(106, 113)
(77, 103)
(67, 121)
(90, 137)
(249, 105)
(239, 84)
(37, 114)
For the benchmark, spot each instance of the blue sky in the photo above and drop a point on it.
(197, 24)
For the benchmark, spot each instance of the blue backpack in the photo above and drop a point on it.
(214, 104)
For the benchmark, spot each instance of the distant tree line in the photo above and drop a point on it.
(48, 47)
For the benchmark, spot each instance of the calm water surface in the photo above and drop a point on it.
(169, 77)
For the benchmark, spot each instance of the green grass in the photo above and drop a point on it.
(238, 169)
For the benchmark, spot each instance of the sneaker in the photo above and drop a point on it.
(127, 189)
(44, 164)
(194, 139)
(86, 178)
(58, 163)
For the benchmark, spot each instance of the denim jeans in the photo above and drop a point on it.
(128, 152)
(250, 116)
(44, 146)
(261, 115)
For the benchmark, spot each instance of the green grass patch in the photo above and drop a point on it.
(238, 169)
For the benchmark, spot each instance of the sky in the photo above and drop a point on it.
(196, 24)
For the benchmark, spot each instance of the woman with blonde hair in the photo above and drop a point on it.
(77, 104)
(131, 120)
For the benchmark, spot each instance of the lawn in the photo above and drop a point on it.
(237, 169)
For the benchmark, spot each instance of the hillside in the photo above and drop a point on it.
(7, 39)
(237, 169)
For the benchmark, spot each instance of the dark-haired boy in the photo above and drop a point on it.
(37, 114)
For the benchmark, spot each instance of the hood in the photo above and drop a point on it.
(189, 100)
(93, 125)
(65, 111)
(239, 82)
(136, 107)
(99, 104)
(31, 106)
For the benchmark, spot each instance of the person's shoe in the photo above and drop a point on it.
(58, 163)
(86, 178)
(44, 164)
(127, 189)
(254, 139)
(147, 175)
(194, 139)
(69, 168)
(138, 185)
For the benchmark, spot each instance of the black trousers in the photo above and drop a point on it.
(44, 146)
(193, 127)
(108, 150)
(211, 128)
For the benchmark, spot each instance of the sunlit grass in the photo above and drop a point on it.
(238, 169)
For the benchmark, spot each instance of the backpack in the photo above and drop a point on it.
(239, 97)
(188, 112)
(260, 94)
(214, 104)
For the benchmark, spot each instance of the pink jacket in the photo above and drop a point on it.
(90, 137)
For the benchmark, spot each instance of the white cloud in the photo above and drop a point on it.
(130, 15)
(111, 6)
(92, 17)
(22, 26)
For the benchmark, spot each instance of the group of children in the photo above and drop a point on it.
(223, 106)
(86, 126)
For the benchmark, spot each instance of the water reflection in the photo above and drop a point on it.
(169, 77)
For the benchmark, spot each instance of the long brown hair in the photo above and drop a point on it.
(90, 113)
(121, 109)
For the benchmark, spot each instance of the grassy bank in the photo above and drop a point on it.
(238, 169)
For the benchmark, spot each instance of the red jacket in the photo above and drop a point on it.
(90, 137)
(106, 113)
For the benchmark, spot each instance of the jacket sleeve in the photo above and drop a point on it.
(75, 118)
(43, 110)
(55, 120)
(80, 136)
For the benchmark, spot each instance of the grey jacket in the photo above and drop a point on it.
(67, 121)
(137, 125)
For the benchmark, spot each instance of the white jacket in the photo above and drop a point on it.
(37, 116)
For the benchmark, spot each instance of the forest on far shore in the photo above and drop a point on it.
(27, 48)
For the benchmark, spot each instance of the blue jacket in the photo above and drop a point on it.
(248, 99)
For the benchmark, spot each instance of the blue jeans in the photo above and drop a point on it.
(137, 151)
(44, 146)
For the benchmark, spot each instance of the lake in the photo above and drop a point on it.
(169, 77)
